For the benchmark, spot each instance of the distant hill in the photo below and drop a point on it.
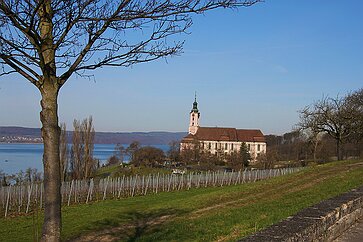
(18, 131)
(22, 134)
(147, 138)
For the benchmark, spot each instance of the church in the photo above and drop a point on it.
(226, 140)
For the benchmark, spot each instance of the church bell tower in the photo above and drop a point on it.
(194, 118)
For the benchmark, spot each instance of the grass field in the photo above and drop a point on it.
(210, 214)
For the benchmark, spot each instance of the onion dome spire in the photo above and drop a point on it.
(195, 104)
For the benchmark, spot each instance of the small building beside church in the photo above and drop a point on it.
(227, 140)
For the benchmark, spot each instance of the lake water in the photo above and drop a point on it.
(16, 157)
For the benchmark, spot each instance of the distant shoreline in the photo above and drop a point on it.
(30, 143)
(12, 135)
(35, 143)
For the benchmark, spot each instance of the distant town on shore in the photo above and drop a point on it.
(13, 134)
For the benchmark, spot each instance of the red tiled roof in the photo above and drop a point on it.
(188, 139)
(250, 135)
(226, 134)
(220, 134)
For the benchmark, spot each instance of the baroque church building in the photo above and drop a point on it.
(227, 140)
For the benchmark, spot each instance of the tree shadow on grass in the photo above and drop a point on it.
(128, 226)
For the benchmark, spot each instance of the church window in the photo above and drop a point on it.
(209, 146)
(231, 146)
(216, 146)
(258, 147)
(226, 146)
(249, 146)
(193, 124)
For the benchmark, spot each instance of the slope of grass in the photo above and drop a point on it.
(208, 214)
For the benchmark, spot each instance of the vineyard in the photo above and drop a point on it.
(25, 198)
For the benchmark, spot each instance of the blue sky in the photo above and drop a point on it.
(252, 68)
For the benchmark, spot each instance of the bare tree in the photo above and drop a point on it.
(332, 116)
(132, 149)
(63, 149)
(174, 151)
(113, 160)
(76, 151)
(191, 154)
(120, 152)
(32, 175)
(82, 162)
(355, 101)
(312, 140)
(3, 179)
(47, 41)
(148, 156)
(88, 135)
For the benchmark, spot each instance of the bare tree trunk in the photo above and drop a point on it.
(49, 87)
(316, 143)
(63, 149)
(88, 133)
(77, 153)
(51, 161)
(339, 153)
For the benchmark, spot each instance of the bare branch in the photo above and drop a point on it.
(4, 73)
(91, 41)
(122, 33)
(10, 61)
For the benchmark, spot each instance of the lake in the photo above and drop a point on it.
(17, 156)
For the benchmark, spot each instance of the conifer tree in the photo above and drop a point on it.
(244, 155)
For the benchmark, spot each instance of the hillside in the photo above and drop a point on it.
(150, 138)
(206, 214)
(14, 134)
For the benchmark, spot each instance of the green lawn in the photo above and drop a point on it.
(208, 214)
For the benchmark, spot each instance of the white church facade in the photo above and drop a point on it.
(226, 140)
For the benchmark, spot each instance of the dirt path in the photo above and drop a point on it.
(124, 231)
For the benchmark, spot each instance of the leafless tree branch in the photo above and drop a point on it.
(85, 27)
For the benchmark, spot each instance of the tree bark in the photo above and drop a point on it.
(339, 156)
(51, 161)
(63, 150)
